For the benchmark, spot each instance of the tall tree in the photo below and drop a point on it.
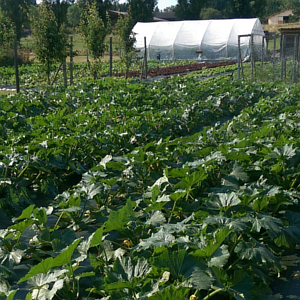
(7, 34)
(73, 15)
(189, 9)
(123, 30)
(93, 31)
(102, 7)
(220, 5)
(119, 6)
(60, 9)
(49, 37)
(246, 8)
(142, 10)
(17, 11)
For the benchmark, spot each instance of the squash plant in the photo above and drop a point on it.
(169, 201)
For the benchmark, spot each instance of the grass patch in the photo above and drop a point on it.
(78, 44)
(4, 92)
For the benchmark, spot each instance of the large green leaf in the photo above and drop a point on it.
(200, 280)
(171, 292)
(129, 269)
(26, 213)
(66, 255)
(227, 200)
(241, 285)
(97, 237)
(156, 219)
(239, 173)
(158, 239)
(41, 268)
(256, 252)
(173, 261)
(178, 263)
(212, 243)
(127, 273)
(271, 224)
(220, 257)
(118, 220)
(188, 181)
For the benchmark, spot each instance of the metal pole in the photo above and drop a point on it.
(262, 52)
(71, 60)
(145, 45)
(239, 57)
(16, 66)
(65, 72)
(295, 58)
(282, 56)
(252, 56)
(274, 55)
(110, 56)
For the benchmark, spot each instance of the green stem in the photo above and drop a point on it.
(213, 293)
(21, 173)
(172, 212)
(232, 265)
(74, 280)
(57, 221)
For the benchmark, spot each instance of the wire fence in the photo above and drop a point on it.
(279, 60)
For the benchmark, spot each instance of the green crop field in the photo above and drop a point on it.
(176, 188)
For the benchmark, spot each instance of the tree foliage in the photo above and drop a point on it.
(93, 31)
(17, 11)
(50, 38)
(189, 9)
(73, 15)
(123, 30)
(142, 10)
(60, 9)
(102, 6)
(246, 9)
(7, 34)
(208, 13)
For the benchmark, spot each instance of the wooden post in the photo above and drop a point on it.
(295, 57)
(274, 55)
(71, 60)
(252, 56)
(239, 57)
(16, 66)
(145, 57)
(262, 51)
(110, 56)
(282, 56)
(65, 73)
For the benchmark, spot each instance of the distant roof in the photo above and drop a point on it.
(114, 14)
(170, 16)
(278, 13)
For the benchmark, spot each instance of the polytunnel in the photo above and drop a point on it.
(198, 40)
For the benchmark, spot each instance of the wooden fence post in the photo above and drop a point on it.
(110, 56)
(71, 60)
(16, 65)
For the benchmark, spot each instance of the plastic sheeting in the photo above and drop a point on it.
(217, 39)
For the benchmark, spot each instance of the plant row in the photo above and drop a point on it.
(167, 207)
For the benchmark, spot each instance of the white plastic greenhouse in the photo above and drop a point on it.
(216, 39)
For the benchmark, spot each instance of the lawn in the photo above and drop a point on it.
(27, 43)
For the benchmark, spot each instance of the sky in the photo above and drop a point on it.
(161, 3)
(165, 3)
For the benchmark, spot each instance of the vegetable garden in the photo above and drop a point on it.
(170, 189)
